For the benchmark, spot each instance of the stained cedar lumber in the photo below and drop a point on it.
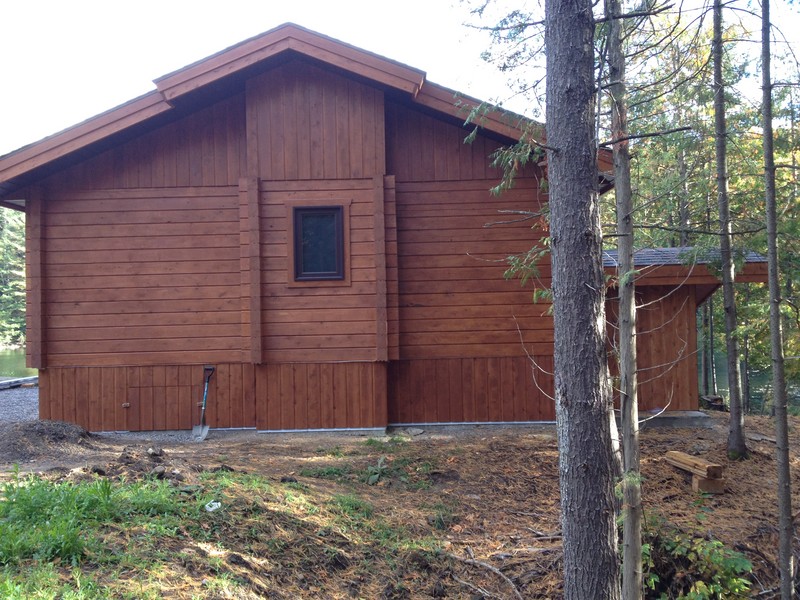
(697, 466)
(708, 486)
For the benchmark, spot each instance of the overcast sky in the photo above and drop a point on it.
(64, 61)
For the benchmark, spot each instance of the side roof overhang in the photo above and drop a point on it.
(30, 163)
(688, 266)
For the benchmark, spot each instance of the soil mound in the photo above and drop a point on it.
(32, 439)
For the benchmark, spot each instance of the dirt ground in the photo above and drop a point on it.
(502, 485)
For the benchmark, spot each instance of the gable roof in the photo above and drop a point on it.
(19, 166)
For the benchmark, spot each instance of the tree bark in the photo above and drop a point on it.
(779, 397)
(704, 351)
(582, 391)
(632, 587)
(737, 447)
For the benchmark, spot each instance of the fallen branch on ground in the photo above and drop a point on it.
(477, 563)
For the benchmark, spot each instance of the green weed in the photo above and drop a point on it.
(376, 471)
(326, 472)
(392, 444)
(677, 565)
(443, 516)
(45, 521)
(334, 452)
(352, 507)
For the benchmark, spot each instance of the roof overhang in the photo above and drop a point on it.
(30, 163)
(678, 267)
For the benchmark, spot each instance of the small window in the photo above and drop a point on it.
(318, 243)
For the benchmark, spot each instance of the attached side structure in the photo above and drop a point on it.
(305, 216)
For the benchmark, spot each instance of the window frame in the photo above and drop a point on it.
(294, 243)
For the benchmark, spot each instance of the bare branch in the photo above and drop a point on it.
(645, 135)
(477, 563)
(634, 14)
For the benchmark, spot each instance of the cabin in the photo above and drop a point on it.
(306, 217)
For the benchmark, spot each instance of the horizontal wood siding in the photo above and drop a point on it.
(166, 397)
(306, 123)
(206, 148)
(318, 322)
(142, 277)
(471, 390)
(453, 298)
(666, 347)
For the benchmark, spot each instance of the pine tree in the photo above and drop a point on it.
(12, 277)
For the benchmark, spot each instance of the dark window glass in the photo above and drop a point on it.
(318, 243)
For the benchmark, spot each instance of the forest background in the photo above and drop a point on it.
(674, 178)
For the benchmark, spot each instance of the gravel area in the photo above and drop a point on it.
(19, 404)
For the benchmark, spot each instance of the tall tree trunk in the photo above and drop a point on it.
(582, 391)
(779, 399)
(737, 447)
(631, 480)
(712, 347)
(683, 208)
(744, 366)
(704, 353)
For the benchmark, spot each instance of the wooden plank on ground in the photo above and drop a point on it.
(708, 486)
(693, 464)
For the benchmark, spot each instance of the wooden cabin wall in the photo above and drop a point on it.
(141, 277)
(666, 344)
(166, 397)
(465, 332)
(315, 137)
(322, 321)
(471, 390)
(306, 123)
(666, 349)
(148, 251)
(420, 147)
(206, 148)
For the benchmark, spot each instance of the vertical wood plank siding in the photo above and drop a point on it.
(269, 397)
(34, 277)
(305, 123)
(206, 148)
(470, 390)
(666, 347)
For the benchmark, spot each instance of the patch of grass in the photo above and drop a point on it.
(148, 539)
(43, 582)
(352, 507)
(248, 482)
(48, 521)
(443, 516)
(327, 472)
(392, 444)
(334, 452)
